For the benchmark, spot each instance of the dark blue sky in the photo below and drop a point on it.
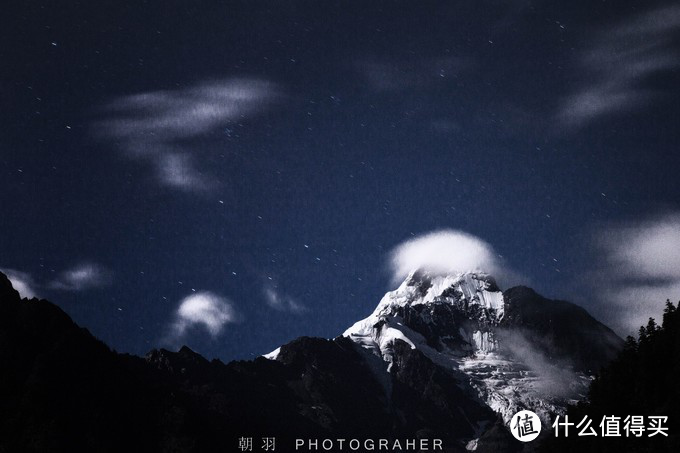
(269, 155)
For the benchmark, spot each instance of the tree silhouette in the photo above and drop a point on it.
(642, 380)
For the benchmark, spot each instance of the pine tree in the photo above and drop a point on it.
(642, 380)
(631, 344)
(652, 328)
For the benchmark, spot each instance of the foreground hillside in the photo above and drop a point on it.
(400, 376)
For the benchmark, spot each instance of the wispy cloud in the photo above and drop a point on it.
(82, 277)
(448, 251)
(204, 310)
(22, 282)
(163, 128)
(555, 377)
(178, 170)
(282, 302)
(639, 270)
(618, 64)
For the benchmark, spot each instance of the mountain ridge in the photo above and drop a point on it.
(62, 376)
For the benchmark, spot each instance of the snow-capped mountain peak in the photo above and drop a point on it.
(461, 322)
(511, 350)
(440, 312)
(421, 287)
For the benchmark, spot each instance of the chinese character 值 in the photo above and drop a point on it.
(526, 427)
(611, 426)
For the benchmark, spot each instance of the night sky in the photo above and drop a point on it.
(233, 175)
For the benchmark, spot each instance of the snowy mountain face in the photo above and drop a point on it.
(456, 314)
(501, 353)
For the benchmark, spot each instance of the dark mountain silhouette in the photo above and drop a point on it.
(563, 331)
(64, 390)
(61, 389)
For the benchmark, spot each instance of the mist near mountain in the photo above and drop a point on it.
(555, 377)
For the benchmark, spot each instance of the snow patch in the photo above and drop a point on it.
(273, 355)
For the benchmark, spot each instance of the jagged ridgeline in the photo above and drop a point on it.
(643, 381)
(443, 356)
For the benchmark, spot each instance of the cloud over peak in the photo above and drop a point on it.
(444, 252)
